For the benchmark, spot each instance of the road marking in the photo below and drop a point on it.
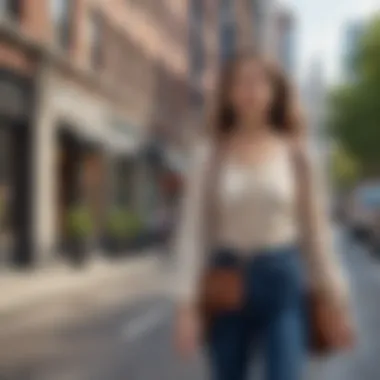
(142, 325)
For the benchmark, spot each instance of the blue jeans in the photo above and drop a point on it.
(272, 319)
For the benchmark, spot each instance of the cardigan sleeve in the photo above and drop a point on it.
(326, 273)
(189, 245)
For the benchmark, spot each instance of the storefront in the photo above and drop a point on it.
(165, 171)
(79, 124)
(153, 158)
(16, 105)
(80, 177)
(93, 162)
(122, 143)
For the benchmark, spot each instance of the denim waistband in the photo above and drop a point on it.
(231, 256)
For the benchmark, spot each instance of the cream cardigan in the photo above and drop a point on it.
(257, 209)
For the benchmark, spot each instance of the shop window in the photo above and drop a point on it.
(10, 9)
(197, 99)
(228, 41)
(61, 13)
(4, 155)
(227, 30)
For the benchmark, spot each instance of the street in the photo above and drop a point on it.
(125, 335)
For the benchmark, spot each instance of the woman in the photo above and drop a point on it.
(257, 226)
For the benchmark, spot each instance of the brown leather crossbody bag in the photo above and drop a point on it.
(325, 335)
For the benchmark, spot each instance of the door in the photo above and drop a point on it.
(7, 193)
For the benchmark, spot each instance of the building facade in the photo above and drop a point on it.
(314, 96)
(320, 142)
(353, 34)
(236, 28)
(17, 97)
(285, 39)
(87, 86)
(263, 18)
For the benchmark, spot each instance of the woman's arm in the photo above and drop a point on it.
(326, 273)
(190, 240)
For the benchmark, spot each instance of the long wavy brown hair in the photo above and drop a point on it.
(284, 114)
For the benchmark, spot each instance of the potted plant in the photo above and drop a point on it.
(80, 228)
(116, 230)
(134, 229)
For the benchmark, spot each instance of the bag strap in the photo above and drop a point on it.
(302, 172)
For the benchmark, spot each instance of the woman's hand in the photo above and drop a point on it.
(187, 330)
(336, 325)
(341, 327)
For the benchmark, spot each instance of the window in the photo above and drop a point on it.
(227, 41)
(369, 196)
(61, 12)
(196, 39)
(227, 29)
(10, 8)
(226, 11)
(96, 28)
(197, 61)
(4, 154)
(258, 23)
(196, 13)
(197, 98)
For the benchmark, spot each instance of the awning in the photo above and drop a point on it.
(108, 139)
(119, 144)
(82, 132)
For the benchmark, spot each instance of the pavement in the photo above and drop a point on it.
(29, 287)
(124, 332)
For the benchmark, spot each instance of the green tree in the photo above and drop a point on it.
(355, 106)
(345, 169)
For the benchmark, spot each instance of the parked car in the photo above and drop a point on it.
(364, 215)
(375, 235)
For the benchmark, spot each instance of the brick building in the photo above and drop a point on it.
(245, 24)
(85, 86)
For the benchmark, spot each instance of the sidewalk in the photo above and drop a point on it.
(20, 289)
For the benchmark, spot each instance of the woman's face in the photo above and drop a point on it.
(251, 91)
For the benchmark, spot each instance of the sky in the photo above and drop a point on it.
(321, 26)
